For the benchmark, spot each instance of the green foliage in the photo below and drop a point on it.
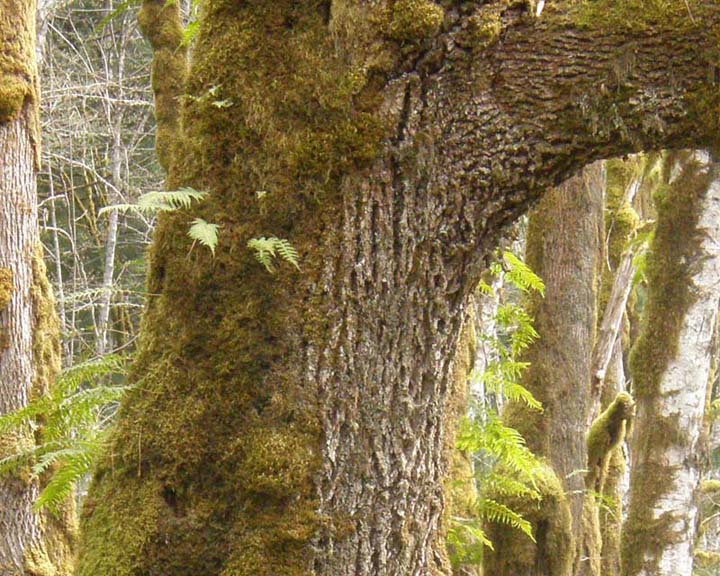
(154, 202)
(267, 249)
(200, 230)
(119, 10)
(520, 275)
(516, 332)
(205, 233)
(71, 422)
(504, 465)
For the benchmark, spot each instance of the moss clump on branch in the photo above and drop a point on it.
(606, 433)
(161, 22)
(415, 20)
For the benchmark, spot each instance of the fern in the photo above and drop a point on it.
(499, 513)
(154, 202)
(267, 249)
(74, 417)
(504, 466)
(521, 276)
(205, 233)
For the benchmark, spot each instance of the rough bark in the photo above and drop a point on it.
(670, 366)
(30, 543)
(296, 423)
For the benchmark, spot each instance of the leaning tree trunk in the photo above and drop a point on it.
(30, 543)
(295, 423)
(670, 365)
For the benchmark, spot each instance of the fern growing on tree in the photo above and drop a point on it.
(502, 463)
(71, 422)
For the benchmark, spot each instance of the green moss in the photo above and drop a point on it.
(277, 462)
(637, 14)
(460, 487)
(606, 433)
(707, 559)
(6, 287)
(670, 295)
(161, 23)
(554, 545)
(13, 92)
(18, 72)
(46, 328)
(415, 20)
(38, 563)
(125, 524)
(486, 29)
(710, 487)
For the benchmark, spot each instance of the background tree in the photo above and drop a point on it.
(565, 235)
(296, 423)
(670, 365)
(98, 131)
(32, 543)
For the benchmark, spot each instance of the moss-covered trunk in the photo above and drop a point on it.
(31, 544)
(295, 423)
(670, 366)
(624, 180)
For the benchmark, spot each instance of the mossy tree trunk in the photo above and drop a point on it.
(563, 247)
(31, 544)
(670, 366)
(295, 423)
(621, 223)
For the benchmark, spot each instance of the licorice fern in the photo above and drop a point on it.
(154, 202)
(504, 466)
(71, 422)
(267, 249)
(205, 233)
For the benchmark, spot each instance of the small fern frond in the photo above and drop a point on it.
(267, 249)
(154, 202)
(498, 513)
(205, 233)
(521, 276)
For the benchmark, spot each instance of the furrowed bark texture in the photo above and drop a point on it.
(670, 366)
(30, 543)
(563, 248)
(296, 423)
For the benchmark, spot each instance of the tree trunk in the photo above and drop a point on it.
(563, 248)
(30, 543)
(621, 224)
(670, 365)
(296, 423)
